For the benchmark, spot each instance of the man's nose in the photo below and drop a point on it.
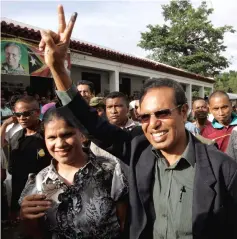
(220, 112)
(154, 121)
(82, 93)
(114, 110)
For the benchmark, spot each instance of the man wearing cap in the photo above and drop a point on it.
(99, 105)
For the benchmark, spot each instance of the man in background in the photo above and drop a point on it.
(200, 113)
(223, 122)
(117, 108)
(99, 104)
(134, 110)
(27, 149)
(86, 89)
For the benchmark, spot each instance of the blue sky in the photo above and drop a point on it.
(115, 24)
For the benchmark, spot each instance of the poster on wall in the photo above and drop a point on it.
(23, 58)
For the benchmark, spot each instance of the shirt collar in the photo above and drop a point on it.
(188, 154)
(130, 123)
(53, 174)
(217, 125)
(38, 133)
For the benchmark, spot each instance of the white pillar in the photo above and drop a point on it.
(201, 92)
(189, 95)
(114, 81)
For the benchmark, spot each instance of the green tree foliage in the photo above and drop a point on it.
(187, 40)
(227, 81)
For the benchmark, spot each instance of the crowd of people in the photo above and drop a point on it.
(104, 167)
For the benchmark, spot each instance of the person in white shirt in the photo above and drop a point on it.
(5, 111)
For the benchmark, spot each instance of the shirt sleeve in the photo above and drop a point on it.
(119, 188)
(67, 96)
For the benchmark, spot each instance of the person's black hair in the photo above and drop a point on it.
(117, 94)
(58, 113)
(218, 93)
(179, 94)
(196, 99)
(28, 100)
(89, 83)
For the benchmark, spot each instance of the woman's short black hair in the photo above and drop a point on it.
(58, 113)
(179, 93)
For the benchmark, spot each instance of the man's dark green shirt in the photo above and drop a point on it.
(173, 195)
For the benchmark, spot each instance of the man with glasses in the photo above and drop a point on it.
(178, 187)
(28, 153)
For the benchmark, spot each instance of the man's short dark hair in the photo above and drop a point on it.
(218, 93)
(13, 44)
(117, 94)
(179, 94)
(89, 83)
(198, 98)
(28, 100)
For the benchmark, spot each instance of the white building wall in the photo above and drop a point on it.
(76, 75)
(136, 74)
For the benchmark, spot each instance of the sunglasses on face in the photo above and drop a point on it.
(160, 114)
(24, 114)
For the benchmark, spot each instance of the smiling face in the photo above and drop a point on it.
(167, 134)
(63, 142)
(13, 56)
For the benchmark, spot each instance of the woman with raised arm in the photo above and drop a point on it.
(78, 195)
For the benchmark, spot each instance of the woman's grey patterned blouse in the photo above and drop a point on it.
(86, 209)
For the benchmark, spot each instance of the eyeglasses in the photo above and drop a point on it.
(160, 114)
(24, 114)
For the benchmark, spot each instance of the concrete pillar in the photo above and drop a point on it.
(201, 91)
(114, 81)
(189, 95)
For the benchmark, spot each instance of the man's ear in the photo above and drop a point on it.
(184, 111)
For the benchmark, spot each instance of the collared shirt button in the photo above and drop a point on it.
(164, 215)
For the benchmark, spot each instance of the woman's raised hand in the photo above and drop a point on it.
(55, 45)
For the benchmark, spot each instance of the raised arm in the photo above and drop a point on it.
(55, 47)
